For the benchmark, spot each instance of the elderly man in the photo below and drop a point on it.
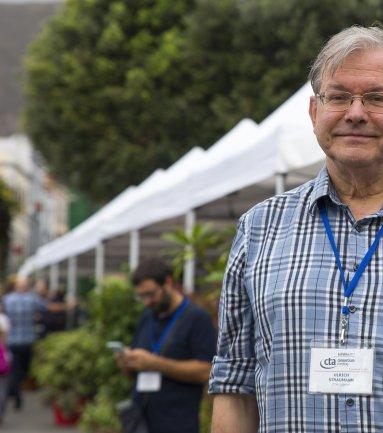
(301, 315)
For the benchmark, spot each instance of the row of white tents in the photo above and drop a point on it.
(246, 156)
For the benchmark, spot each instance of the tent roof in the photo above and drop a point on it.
(247, 154)
(155, 206)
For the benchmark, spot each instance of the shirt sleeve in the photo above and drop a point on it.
(233, 369)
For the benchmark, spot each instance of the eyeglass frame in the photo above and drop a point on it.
(352, 97)
(148, 295)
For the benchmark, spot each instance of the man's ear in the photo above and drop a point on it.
(313, 110)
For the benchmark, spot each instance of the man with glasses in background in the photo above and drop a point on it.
(171, 352)
(300, 346)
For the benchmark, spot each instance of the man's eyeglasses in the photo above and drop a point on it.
(147, 295)
(334, 100)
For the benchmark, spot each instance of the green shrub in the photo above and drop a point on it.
(100, 416)
(64, 366)
(114, 311)
(113, 315)
(74, 366)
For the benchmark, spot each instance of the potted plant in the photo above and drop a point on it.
(64, 368)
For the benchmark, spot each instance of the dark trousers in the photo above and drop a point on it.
(21, 359)
(3, 393)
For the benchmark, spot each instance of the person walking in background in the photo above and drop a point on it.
(5, 362)
(22, 306)
(171, 352)
(301, 314)
(49, 320)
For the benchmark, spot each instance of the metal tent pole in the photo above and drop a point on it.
(280, 183)
(134, 249)
(189, 266)
(72, 278)
(100, 265)
(72, 290)
(54, 277)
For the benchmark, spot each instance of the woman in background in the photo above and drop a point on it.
(5, 361)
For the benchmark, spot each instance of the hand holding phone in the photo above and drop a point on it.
(116, 346)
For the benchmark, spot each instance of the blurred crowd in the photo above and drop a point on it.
(28, 311)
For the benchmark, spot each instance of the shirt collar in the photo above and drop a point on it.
(323, 187)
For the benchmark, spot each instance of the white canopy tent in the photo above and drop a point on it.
(297, 144)
(28, 267)
(157, 204)
(175, 197)
(89, 234)
(246, 155)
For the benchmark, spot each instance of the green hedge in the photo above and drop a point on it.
(74, 367)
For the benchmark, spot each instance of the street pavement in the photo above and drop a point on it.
(35, 417)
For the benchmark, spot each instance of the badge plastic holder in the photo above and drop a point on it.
(337, 368)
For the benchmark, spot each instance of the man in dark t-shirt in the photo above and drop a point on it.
(171, 352)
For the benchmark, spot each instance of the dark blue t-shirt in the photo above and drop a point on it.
(175, 408)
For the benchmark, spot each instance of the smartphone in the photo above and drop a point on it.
(116, 346)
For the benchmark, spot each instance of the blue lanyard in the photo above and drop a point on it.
(157, 345)
(350, 287)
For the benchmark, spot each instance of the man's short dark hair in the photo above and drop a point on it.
(152, 268)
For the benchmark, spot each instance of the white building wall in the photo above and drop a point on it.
(43, 203)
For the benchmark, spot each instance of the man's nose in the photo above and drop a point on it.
(148, 302)
(357, 112)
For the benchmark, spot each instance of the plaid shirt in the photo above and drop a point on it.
(282, 289)
(22, 308)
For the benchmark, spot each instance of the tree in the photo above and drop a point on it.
(265, 53)
(116, 89)
(97, 86)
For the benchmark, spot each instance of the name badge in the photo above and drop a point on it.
(341, 370)
(149, 381)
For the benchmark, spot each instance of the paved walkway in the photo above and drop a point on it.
(35, 417)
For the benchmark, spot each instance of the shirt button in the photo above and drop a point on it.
(355, 268)
(352, 308)
(350, 402)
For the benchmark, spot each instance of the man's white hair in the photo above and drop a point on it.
(340, 46)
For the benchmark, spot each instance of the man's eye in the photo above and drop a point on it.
(375, 98)
(337, 97)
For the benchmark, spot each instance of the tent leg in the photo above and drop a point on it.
(134, 250)
(280, 183)
(189, 266)
(54, 277)
(100, 265)
(72, 290)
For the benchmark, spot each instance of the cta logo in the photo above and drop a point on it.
(328, 363)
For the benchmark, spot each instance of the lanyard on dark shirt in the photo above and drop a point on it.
(348, 287)
(157, 345)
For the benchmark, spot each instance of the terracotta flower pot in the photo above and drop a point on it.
(63, 419)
